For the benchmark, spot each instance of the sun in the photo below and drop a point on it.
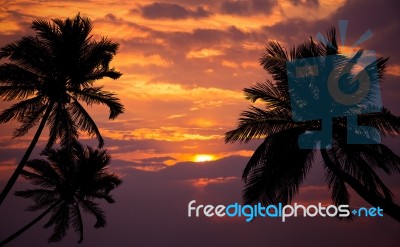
(203, 157)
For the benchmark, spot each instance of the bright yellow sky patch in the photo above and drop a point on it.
(203, 157)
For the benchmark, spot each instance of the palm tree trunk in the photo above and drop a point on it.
(27, 226)
(28, 152)
(388, 206)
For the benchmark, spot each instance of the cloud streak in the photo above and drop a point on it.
(171, 11)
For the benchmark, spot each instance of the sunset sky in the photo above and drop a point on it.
(184, 65)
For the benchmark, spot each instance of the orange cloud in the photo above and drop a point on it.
(160, 134)
(127, 59)
(229, 64)
(323, 10)
(393, 70)
(169, 91)
(203, 182)
(176, 116)
(204, 53)
(148, 168)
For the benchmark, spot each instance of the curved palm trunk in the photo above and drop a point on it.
(27, 226)
(388, 206)
(25, 158)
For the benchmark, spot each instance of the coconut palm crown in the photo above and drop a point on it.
(51, 74)
(279, 166)
(69, 181)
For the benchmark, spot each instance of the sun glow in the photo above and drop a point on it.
(203, 157)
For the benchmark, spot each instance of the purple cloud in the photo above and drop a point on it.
(171, 11)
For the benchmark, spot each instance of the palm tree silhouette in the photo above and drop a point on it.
(71, 179)
(51, 73)
(278, 166)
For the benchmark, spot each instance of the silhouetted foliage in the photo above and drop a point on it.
(278, 166)
(70, 179)
(51, 74)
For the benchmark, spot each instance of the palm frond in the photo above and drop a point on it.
(276, 176)
(106, 182)
(92, 208)
(12, 74)
(29, 53)
(47, 32)
(29, 121)
(85, 122)
(381, 64)
(101, 53)
(274, 62)
(340, 194)
(77, 222)
(353, 162)
(9, 93)
(19, 110)
(97, 75)
(43, 173)
(387, 123)
(61, 221)
(269, 93)
(44, 169)
(63, 161)
(44, 203)
(61, 126)
(380, 156)
(257, 123)
(331, 47)
(96, 95)
(39, 196)
(100, 195)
